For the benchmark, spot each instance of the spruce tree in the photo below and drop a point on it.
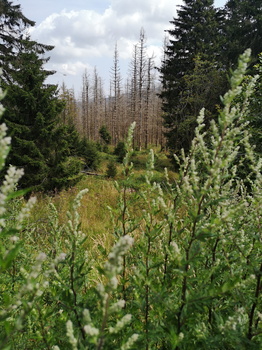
(13, 25)
(196, 34)
(255, 111)
(32, 108)
(243, 29)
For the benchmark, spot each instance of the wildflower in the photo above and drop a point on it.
(41, 257)
(120, 304)
(86, 315)
(113, 265)
(120, 324)
(14, 239)
(25, 211)
(181, 336)
(130, 342)
(92, 331)
(70, 334)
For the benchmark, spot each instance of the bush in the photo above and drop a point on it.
(120, 151)
(88, 151)
(185, 269)
(111, 170)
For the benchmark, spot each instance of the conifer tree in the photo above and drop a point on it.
(12, 26)
(195, 34)
(243, 29)
(40, 145)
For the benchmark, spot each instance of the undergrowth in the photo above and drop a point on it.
(179, 266)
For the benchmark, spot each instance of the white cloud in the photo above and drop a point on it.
(84, 38)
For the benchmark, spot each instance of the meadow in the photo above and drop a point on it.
(152, 259)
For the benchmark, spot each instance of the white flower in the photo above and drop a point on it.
(130, 342)
(41, 257)
(120, 304)
(92, 331)
(181, 336)
(70, 334)
(120, 324)
(14, 239)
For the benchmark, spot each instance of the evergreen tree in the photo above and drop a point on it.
(32, 111)
(105, 135)
(201, 87)
(13, 25)
(243, 29)
(196, 33)
(255, 111)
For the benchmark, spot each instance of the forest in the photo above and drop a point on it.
(133, 221)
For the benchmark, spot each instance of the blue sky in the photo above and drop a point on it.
(84, 33)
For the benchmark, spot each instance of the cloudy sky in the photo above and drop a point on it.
(84, 33)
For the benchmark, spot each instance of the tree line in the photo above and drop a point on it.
(53, 133)
(204, 46)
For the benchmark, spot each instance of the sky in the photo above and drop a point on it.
(85, 32)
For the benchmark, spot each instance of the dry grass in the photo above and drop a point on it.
(95, 216)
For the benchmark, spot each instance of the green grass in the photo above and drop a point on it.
(96, 221)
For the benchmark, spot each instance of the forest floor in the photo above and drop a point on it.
(96, 221)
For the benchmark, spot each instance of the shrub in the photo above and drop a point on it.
(111, 170)
(184, 272)
(120, 151)
(89, 152)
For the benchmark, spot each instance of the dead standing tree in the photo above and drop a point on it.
(141, 85)
(115, 100)
(86, 123)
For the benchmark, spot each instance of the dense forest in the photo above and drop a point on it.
(166, 256)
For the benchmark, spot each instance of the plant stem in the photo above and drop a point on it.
(72, 267)
(169, 242)
(252, 311)
(147, 306)
(102, 330)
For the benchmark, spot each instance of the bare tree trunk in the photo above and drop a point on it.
(141, 80)
(116, 87)
(86, 106)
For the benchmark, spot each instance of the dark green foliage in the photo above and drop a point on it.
(111, 170)
(213, 39)
(104, 134)
(32, 110)
(190, 56)
(89, 152)
(120, 151)
(243, 29)
(255, 114)
(80, 147)
(201, 88)
(41, 145)
(12, 28)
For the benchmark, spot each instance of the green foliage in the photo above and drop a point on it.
(111, 170)
(12, 22)
(41, 145)
(184, 271)
(104, 134)
(204, 46)
(254, 115)
(201, 88)
(242, 29)
(88, 151)
(192, 76)
(120, 151)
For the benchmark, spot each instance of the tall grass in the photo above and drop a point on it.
(184, 267)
